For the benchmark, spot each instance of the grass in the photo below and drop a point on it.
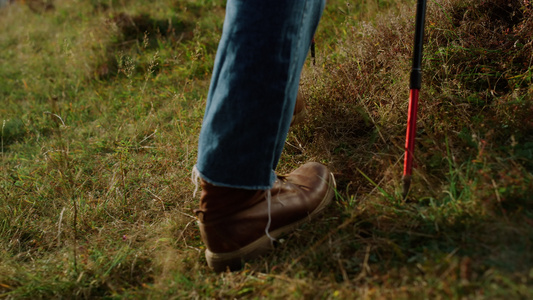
(100, 120)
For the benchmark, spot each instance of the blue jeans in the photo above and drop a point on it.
(253, 90)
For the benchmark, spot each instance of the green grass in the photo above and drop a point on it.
(100, 120)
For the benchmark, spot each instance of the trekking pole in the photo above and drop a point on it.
(414, 85)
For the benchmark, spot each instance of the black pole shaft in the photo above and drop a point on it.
(415, 85)
(416, 71)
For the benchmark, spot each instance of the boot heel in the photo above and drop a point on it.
(220, 262)
(222, 265)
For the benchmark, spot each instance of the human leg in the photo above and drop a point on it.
(253, 90)
(244, 205)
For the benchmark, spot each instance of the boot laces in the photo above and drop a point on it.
(269, 207)
(281, 178)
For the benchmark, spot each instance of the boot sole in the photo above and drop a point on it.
(220, 262)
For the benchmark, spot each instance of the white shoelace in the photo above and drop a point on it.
(269, 206)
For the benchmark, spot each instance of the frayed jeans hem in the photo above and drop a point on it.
(196, 173)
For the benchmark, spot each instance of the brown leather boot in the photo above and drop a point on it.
(300, 110)
(238, 224)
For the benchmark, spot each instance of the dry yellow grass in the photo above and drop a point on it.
(99, 131)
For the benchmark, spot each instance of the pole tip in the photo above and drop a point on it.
(406, 184)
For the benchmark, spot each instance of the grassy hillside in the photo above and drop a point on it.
(101, 106)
